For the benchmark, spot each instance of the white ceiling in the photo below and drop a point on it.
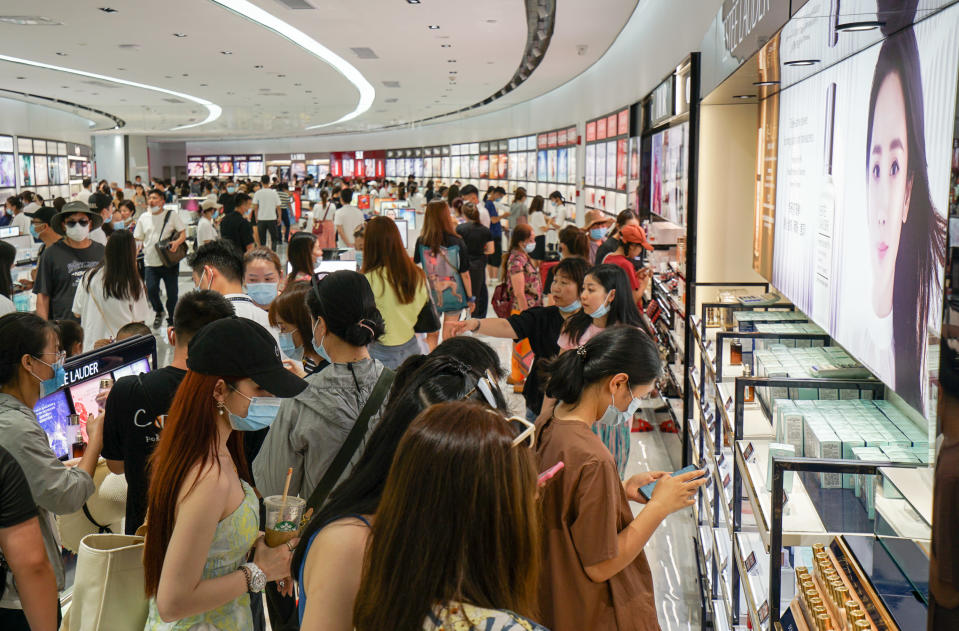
(293, 89)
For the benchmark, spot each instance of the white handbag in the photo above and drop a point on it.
(108, 591)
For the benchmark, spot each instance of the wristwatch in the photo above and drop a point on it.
(472, 299)
(255, 578)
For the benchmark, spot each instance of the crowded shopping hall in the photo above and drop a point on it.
(525, 315)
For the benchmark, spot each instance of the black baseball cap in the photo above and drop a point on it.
(237, 347)
(44, 214)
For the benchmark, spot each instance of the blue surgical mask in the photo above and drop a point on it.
(597, 233)
(529, 247)
(118, 225)
(603, 309)
(262, 293)
(359, 259)
(318, 347)
(33, 232)
(260, 415)
(54, 383)
(231, 189)
(289, 347)
(576, 305)
(615, 416)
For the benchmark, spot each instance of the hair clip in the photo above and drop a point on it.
(581, 351)
(367, 327)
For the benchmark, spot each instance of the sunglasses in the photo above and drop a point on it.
(74, 222)
(487, 386)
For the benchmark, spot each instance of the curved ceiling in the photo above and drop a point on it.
(267, 86)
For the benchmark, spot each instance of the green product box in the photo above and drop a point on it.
(821, 442)
(780, 450)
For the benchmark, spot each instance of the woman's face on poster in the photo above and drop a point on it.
(888, 189)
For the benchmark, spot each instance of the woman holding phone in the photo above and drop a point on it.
(595, 574)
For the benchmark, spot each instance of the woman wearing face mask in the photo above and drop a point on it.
(311, 428)
(613, 240)
(291, 316)
(322, 217)
(302, 257)
(526, 290)
(595, 574)
(597, 226)
(31, 366)
(540, 325)
(127, 219)
(262, 276)
(205, 231)
(203, 515)
(111, 294)
(399, 287)
(10, 208)
(8, 255)
(607, 301)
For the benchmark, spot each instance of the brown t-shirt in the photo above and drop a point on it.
(584, 510)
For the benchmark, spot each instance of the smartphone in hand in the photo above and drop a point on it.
(647, 490)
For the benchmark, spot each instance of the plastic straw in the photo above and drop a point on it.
(286, 489)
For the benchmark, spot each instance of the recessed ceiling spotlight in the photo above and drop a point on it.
(433, 27)
(281, 76)
(765, 83)
(491, 21)
(412, 1)
(745, 96)
(860, 26)
(801, 62)
(185, 75)
(489, 63)
(257, 67)
(446, 45)
(108, 9)
(226, 52)
(59, 54)
(296, 85)
(203, 85)
(179, 35)
(21, 78)
(451, 61)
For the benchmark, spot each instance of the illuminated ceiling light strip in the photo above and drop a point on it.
(213, 109)
(307, 43)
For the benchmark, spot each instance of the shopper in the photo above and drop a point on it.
(235, 226)
(613, 242)
(137, 406)
(86, 191)
(128, 217)
(480, 245)
(470, 194)
(102, 203)
(140, 200)
(540, 224)
(31, 367)
(558, 210)
(311, 428)
(573, 243)
(286, 206)
(329, 560)
(525, 291)
(596, 226)
(267, 207)
(111, 294)
(461, 463)
(518, 212)
(21, 547)
(290, 315)
(219, 266)
(322, 216)
(63, 263)
(542, 326)
(444, 258)
(205, 231)
(347, 219)
(632, 244)
(262, 276)
(20, 218)
(399, 288)
(71, 337)
(595, 574)
(153, 227)
(302, 255)
(41, 229)
(201, 503)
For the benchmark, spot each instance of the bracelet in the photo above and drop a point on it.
(476, 328)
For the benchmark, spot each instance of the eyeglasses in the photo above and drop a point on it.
(60, 356)
(74, 222)
(488, 387)
(525, 431)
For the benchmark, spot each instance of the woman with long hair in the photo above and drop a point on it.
(451, 194)
(322, 216)
(470, 467)
(479, 245)
(906, 232)
(526, 290)
(289, 314)
(329, 559)
(203, 514)
(518, 212)
(140, 199)
(444, 257)
(399, 287)
(8, 255)
(540, 224)
(607, 301)
(302, 255)
(111, 294)
(595, 572)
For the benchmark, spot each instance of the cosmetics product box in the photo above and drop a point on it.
(821, 442)
(780, 450)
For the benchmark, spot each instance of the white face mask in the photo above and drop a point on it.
(78, 232)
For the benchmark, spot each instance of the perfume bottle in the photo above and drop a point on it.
(749, 394)
(735, 352)
(78, 447)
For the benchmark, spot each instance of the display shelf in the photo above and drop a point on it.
(720, 622)
(802, 525)
(908, 512)
(915, 486)
(674, 373)
(747, 583)
(675, 410)
(755, 422)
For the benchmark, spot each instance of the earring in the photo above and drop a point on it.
(220, 408)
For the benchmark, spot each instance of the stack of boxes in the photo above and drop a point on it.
(782, 362)
(747, 320)
(787, 328)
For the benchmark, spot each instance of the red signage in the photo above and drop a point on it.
(591, 131)
(611, 126)
(624, 122)
(561, 138)
(336, 166)
(601, 129)
(542, 141)
(571, 135)
(359, 168)
(551, 139)
(380, 168)
(621, 154)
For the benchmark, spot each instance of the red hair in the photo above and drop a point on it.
(189, 437)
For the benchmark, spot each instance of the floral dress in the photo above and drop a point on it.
(464, 617)
(232, 541)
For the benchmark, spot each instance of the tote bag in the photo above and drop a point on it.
(108, 591)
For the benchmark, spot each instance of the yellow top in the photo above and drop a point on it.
(399, 318)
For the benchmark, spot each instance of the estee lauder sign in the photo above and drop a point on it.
(742, 18)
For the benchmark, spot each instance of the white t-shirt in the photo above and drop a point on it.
(6, 305)
(244, 307)
(98, 236)
(266, 200)
(537, 221)
(350, 217)
(205, 231)
(112, 314)
(84, 196)
(148, 233)
(319, 211)
(418, 201)
(22, 221)
(483, 214)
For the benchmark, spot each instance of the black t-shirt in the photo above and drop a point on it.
(131, 431)
(59, 272)
(16, 503)
(609, 246)
(236, 229)
(476, 236)
(228, 201)
(542, 326)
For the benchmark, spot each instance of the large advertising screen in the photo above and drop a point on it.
(668, 173)
(862, 192)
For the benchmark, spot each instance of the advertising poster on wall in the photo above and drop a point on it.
(542, 166)
(530, 165)
(668, 176)
(41, 175)
(8, 172)
(600, 163)
(611, 164)
(561, 166)
(590, 165)
(26, 170)
(571, 165)
(621, 154)
(862, 192)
